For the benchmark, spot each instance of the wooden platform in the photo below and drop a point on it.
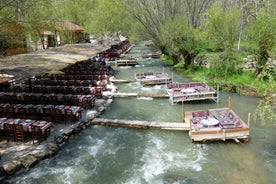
(141, 124)
(151, 55)
(192, 91)
(216, 124)
(126, 62)
(153, 78)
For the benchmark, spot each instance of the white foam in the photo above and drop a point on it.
(157, 160)
(124, 67)
(145, 98)
(97, 145)
(157, 87)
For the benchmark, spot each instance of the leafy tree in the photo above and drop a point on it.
(222, 29)
(180, 40)
(266, 110)
(38, 18)
(263, 32)
(110, 17)
(221, 26)
(79, 12)
(167, 25)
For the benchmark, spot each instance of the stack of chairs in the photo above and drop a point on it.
(19, 133)
(9, 131)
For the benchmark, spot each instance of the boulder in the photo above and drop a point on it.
(3, 173)
(11, 167)
(28, 161)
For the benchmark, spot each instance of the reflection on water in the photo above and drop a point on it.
(121, 155)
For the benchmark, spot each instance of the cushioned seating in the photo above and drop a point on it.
(200, 113)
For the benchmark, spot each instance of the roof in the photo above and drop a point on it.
(67, 25)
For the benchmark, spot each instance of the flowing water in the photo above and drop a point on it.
(115, 155)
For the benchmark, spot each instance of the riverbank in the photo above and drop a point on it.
(243, 84)
(19, 156)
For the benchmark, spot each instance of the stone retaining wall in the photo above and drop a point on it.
(49, 149)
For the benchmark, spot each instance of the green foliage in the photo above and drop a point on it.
(226, 65)
(221, 29)
(222, 26)
(266, 110)
(168, 60)
(263, 32)
(109, 17)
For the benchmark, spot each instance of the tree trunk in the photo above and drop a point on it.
(188, 57)
(262, 60)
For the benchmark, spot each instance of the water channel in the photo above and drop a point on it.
(115, 155)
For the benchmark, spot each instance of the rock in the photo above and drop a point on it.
(3, 173)
(40, 155)
(100, 102)
(68, 131)
(65, 138)
(52, 146)
(11, 167)
(91, 114)
(101, 109)
(58, 139)
(108, 102)
(28, 161)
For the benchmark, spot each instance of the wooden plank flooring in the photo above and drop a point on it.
(142, 124)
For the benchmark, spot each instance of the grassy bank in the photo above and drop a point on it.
(244, 83)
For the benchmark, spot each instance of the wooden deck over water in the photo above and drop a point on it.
(221, 131)
(192, 91)
(126, 62)
(142, 124)
(153, 78)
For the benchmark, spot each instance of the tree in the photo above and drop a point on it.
(194, 10)
(222, 29)
(221, 26)
(167, 25)
(266, 109)
(263, 32)
(180, 40)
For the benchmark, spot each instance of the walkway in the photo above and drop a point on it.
(142, 124)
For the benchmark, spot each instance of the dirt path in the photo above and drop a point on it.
(26, 65)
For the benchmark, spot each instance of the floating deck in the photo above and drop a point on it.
(141, 124)
(192, 91)
(151, 55)
(152, 78)
(126, 62)
(216, 124)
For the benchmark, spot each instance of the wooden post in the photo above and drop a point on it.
(229, 103)
(183, 113)
(248, 120)
(217, 93)
(190, 127)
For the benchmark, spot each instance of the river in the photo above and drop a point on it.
(116, 155)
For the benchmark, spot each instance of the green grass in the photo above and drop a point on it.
(245, 79)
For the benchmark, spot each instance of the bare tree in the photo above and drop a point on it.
(194, 10)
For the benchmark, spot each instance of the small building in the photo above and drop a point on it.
(62, 32)
(14, 37)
